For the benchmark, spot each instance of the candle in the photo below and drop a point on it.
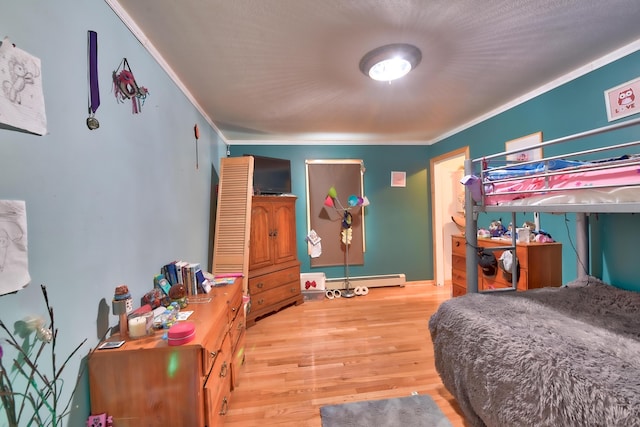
(137, 327)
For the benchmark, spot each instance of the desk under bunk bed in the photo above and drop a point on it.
(562, 183)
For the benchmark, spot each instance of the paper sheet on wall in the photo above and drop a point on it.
(21, 96)
(314, 244)
(14, 266)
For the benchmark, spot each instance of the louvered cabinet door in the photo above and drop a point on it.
(233, 216)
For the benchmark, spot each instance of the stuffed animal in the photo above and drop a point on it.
(528, 228)
(496, 228)
(543, 237)
(483, 233)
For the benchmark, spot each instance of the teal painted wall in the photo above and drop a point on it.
(108, 206)
(397, 223)
(404, 219)
(573, 107)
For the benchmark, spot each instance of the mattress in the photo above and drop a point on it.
(545, 357)
(562, 177)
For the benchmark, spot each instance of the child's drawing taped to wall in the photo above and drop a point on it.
(14, 266)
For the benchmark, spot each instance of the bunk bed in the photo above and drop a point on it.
(564, 356)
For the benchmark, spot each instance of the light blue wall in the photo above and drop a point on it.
(108, 206)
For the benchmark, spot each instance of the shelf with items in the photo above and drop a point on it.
(540, 265)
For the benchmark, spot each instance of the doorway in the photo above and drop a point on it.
(446, 171)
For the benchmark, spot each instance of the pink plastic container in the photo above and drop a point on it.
(181, 333)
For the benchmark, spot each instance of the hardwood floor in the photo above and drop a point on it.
(333, 351)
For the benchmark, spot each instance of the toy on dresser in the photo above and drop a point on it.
(534, 235)
(101, 420)
(496, 229)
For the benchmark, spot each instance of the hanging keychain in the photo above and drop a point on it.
(125, 87)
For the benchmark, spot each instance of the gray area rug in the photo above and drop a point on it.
(410, 411)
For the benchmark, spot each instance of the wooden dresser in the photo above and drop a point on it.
(540, 266)
(274, 269)
(146, 382)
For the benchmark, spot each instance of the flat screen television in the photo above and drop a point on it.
(271, 175)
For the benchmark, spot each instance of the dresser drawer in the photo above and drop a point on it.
(217, 388)
(500, 281)
(237, 360)
(273, 280)
(212, 343)
(457, 290)
(266, 299)
(458, 246)
(237, 329)
(458, 263)
(235, 305)
(459, 277)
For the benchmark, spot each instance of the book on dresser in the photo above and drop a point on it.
(189, 274)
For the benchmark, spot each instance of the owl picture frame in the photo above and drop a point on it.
(621, 100)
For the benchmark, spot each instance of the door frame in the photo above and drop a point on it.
(440, 166)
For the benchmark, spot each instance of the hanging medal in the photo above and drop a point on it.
(94, 90)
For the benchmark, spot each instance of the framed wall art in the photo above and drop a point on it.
(621, 100)
(525, 148)
(398, 179)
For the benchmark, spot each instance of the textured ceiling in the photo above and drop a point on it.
(287, 70)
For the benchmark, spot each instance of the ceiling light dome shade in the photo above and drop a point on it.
(390, 62)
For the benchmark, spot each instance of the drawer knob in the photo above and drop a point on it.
(225, 406)
(223, 370)
(457, 243)
(260, 301)
(260, 285)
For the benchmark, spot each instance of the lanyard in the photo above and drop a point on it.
(94, 91)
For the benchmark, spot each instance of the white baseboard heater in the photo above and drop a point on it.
(368, 281)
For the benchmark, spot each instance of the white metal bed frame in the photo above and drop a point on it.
(472, 209)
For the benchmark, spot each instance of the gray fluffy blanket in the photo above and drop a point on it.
(565, 356)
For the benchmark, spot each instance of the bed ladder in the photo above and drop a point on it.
(471, 239)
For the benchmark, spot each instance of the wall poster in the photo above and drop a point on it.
(21, 97)
(14, 266)
(621, 100)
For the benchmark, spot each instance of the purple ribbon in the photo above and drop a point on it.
(94, 99)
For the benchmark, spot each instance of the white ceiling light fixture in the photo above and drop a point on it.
(390, 62)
